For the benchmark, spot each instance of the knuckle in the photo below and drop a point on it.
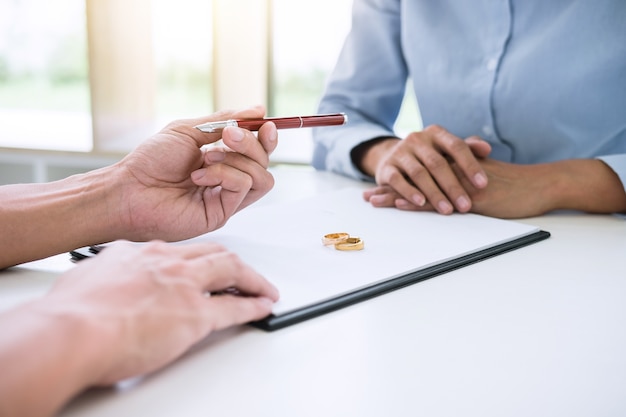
(435, 129)
(454, 145)
(269, 181)
(435, 162)
(393, 177)
(454, 191)
(233, 260)
(215, 247)
(413, 139)
(247, 181)
(155, 247)
(416, 171)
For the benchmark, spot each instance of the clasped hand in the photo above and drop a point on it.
(434, 170)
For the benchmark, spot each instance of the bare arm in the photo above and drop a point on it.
(125, 313)
(515, 191)
(40, 220)
(131, 309)
(168, 188)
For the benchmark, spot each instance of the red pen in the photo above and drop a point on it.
(294, 122)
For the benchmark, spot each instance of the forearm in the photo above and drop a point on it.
(583, 184)
(41, 371)
(39, 220)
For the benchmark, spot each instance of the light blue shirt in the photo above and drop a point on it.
(541, 80)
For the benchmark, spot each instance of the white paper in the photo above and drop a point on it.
(284, 243)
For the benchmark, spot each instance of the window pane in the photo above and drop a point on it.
(307, 39)
(183, 46)
(44, 93)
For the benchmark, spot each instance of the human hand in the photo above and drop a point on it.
(419, 170)
(511, 193)
(144, 306)
(173, 190)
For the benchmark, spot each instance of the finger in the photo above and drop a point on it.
(480, 148)
(392, 176)
(220, 271)
(228, 310)
(246, 143)
(379, 189)
(387, 197)
(232, 188)
(222, 166)
(231, 177)
(187, 126)
(456, 149)
(262, 179)
(227, 187)
(383, 200)
(192, 250)
(382, 196)
(253, 112)
(267, 134)
(403, 204)
(429, 172)
(436, 179)
(268, 137)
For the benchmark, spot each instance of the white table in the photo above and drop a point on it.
(540, 331)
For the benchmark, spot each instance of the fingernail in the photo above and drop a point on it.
(236, 134)
(274, 135)
(480, 180)
(419, 200)
(215, 156)
(444, 207)
(462, 203)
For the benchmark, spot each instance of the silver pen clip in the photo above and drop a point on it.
(212, 127)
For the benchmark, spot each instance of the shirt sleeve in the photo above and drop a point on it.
(368, 84)
(618, 164)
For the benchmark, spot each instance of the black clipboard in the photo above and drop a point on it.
(282, 242)
(279, 321)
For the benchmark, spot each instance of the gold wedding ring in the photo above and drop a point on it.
(334, 238)
(351, 243)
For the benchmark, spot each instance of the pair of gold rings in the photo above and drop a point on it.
(343, 241)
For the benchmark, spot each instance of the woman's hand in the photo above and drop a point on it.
(419, 170)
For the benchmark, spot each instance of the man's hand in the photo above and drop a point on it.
(124, 313)
(173, 189)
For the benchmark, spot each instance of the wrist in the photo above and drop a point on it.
(107, 190)
(93, 209)
(35, 216)
(367, 155)
(95, 336)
